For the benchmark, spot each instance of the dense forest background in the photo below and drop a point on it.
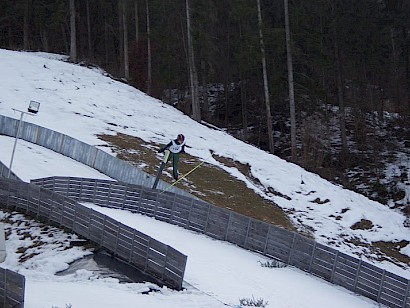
(348, 108)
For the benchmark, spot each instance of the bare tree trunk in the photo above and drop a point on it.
(244, 109)
(394, 68)
(226, 96)
(73, 42)
(205, 90)
(342, 116)
(27, 24)
(106, 39)
(290, 82)
(265, 81)
(137, 31)
(244, 104)
(193, 76)
(124, 26)
(149, 72)
(90, 45)
(121, 38)
(407, 65)
(65, 39)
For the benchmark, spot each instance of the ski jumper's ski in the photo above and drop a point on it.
(161, 168)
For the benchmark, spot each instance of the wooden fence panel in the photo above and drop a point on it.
(82, 221)
(58, 185)
(217, 223)
(181, 211)
(164, 207)
(140, 247)
(110, 234)
(30, 207)
(124, 241)
(12, 287)
(302, 251)
(323, 262)
(369, 280)
(132, 199)
(86, 192)
(237, 230)
(102, 193)
(96, 227)
(279, 243)
(157, 254)
(148, 202)
(257, 236)
(175, 260)
(393, 291)
(116, 195)
(56, 211)
(198, 216)
(69, 214)
(74, 189)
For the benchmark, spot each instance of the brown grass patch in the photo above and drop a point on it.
(208, 182)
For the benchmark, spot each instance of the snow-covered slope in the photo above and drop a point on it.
(83, 102)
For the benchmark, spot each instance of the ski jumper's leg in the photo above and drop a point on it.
(168, 157)
(175, 159)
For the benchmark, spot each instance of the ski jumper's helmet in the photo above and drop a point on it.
(181, 137)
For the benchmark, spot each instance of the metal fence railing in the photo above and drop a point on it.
(89, 155)
(12, 287)
(149, 255)
(334, 266)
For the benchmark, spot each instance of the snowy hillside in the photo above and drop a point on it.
(83, 102)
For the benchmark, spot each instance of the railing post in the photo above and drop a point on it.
(227, 226)
(267, 239)
(357, 275)
(132, 247)
(291, 248)
(406, 295)
(146, 258)
(381, 286)
(312, 256)
(247, 232)
(116, 238)
(334, 266)
(95, 190)
(166, 262)
(189, 213)
(5, 288)
(171, 219)
(207, 218)
(103, 231)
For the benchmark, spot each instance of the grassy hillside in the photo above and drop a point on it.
(208, 182)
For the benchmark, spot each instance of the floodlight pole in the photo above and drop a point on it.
(17, 136)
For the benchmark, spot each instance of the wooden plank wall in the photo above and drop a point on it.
(12, 287)
(354, 274)
(89, 155)
(4, 172)
(151, 256)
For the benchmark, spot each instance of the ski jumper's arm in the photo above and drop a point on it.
(183, 149)
(165, 147)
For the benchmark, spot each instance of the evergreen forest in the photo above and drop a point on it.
(322, 83)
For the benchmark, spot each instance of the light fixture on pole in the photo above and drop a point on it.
(32, 110)
(33, 107)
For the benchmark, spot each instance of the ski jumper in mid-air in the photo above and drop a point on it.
(175, 147)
